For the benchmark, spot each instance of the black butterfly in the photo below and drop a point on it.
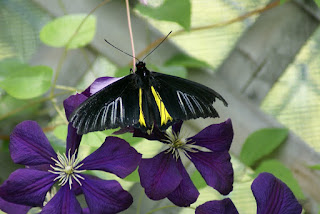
(145, 99)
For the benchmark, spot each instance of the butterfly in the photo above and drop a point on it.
(145, 99)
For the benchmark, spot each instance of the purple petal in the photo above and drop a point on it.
(159, 175)
(11, 208)
(43, 167)
(63, 202)
(99, 84)
(224, 206)
(115, 155)
(29, 145)
(85, 210)
(105, 196)
(216, 137)
(72, 102)
(73, 139)
(274, 196)
(215, 168)
(186, 193)
(27, 186)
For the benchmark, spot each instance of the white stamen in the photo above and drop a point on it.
(67, 169)
(178, 144)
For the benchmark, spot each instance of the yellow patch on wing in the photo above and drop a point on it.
(141, 117)
(164, 115)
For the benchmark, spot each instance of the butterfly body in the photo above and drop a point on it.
(145, 99)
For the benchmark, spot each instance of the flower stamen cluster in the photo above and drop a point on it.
(67, 169)
(178, 144)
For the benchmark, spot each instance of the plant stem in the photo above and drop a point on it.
(131, 36)
(140, 202)
(66, 88)
(61, 113)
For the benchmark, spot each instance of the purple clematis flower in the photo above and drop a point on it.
(29, 146)
(12, 208)
(165, 176)
(272, 196)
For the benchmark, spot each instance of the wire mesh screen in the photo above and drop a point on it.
(295, 98)
(20, 23)
(213, 43)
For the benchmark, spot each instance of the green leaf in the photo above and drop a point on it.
(9, 103)
(198, 180)
(170, 10)
(283, 1)
(187, 61)
(61, 132)
(58, 32)
(8, 66)
(316, 167)
(262, 143)
(148, 148)
(283, 173)
(28, 82)
(317, 2)
(124, 71)
(93, 139)
(134, 176)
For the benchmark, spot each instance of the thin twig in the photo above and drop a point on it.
(60, 112)
(131, 36)
(66, 88)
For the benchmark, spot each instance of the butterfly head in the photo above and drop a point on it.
(141, 69)
(141, 65)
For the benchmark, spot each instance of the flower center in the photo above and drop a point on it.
(66, 167)
(178, 144)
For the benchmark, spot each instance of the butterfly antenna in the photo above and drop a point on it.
(157, 46)
(121, 50)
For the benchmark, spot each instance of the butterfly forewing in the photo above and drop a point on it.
(112, 107)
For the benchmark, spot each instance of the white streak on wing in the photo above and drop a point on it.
(181, 103)
(105, 114)
(113, 113)
(197, 104)
(119, 101)
(189, 104)
(98, 116)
